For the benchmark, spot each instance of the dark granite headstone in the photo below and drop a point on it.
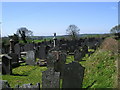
(17, 49)
(15, 58)
(42, 52)
(78, 55)
(6, 64)
(73, 75)
(50, 79)
(30, 58)
(28, 47)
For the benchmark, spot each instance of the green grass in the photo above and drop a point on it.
(25, 74)
(99, 68)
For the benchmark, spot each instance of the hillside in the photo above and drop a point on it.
(101, 66)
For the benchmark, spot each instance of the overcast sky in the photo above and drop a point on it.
(45, 18)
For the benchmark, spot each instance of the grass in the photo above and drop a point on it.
(100, 71)
(25, 74)
(100, 68)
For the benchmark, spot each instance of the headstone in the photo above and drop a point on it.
(11, 46)
(73, 75)
(17, 49)
(4, 85)
(30, 86)
(6, 64)
(59, 65)
(50, 79)
(77, 55)
(42, 52)
(15, 58)
(52, 58)
(30, 58)
(28, 46)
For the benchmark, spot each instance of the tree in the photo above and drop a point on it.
(24, 32)
(73, 31)
(116, 30)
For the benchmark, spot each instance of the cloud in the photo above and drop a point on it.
(114, 7)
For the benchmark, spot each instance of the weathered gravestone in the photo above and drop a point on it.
(56, 60)
(6, 64)
(29, 86)
(50, 79)
(17, 49)
(30, 58)
(52, 58)
(73, 75)
(85, 48)
(78, 55)
(41, 52)
(59, 65)
(4, 85)
(28, 47)
(15, 58)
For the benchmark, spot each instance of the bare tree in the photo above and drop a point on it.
(24, 32)
(73, 31)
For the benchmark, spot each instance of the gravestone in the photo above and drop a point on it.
(30, 58)
(52, 58)
(50, 79)
(29, 86)
(42, 52)
(6, 64)
(4, 85)
(17, 49)
(15, 58)
(28, 47)
(59, 65)
(78, 55)
(73, 75)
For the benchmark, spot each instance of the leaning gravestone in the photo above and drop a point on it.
(6, 64)
(30, 58)
(50, 79)
(73, 75)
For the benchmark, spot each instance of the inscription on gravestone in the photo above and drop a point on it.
(41, 51)
(52, 58)
(50, 79)
(30, 58)
(6, 64)
(73, 75)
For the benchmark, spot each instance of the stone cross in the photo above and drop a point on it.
(11, 46)
(54, 40)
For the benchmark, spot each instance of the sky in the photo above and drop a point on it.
(46, 18)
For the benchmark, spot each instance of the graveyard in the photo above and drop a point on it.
(86, 62)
